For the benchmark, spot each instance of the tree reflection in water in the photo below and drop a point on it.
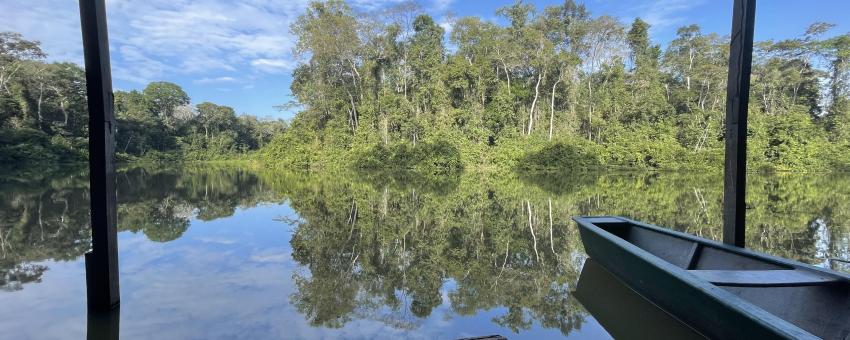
(385, 252)
(396, 248)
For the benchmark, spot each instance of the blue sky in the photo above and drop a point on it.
(238, 53)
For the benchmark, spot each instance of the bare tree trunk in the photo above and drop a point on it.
(508, 76)
(704, 136)
(552, 108)
(353, 111)
(38, 105)
(504, 262)
(40, 219)
(64, 110)
(590, 106)
(531, 227)
(534, 102)
(352, 218)
(357, 86)
(5, 79)
(551, 233)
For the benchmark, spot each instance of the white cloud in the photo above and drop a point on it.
(273, 65)
(442, 5)
(216, 240)
(271, 258)
(371, 5)
(216, 80)
(447, 26)
(205, 36)
(665, 13)
(55, 23)
(152, 39)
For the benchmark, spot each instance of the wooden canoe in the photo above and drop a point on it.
(721, 291)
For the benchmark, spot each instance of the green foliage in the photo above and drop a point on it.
(429, 157)
(21, 146)
(795, 142)
(554, 89)
(161, 99)
(44, 117)
(576, 154)
(541, 92)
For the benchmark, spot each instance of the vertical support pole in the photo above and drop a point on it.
(102, 260)
(737, 99)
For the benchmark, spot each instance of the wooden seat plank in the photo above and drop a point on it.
(763, 278)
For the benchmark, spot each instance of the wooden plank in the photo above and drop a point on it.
(102, 260)
(604, 219)
(693, 258)
(763, 278)
(737, 99)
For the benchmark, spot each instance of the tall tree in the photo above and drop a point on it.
(162, 98)
(328, 34)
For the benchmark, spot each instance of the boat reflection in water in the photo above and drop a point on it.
(624, 313)
(103, 325)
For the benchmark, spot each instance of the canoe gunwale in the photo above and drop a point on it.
(717, 301)
(702, 242)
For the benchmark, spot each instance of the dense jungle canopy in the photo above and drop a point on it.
(537, 89)
(554, 88)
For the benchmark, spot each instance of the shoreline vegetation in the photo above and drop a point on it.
(553, 89)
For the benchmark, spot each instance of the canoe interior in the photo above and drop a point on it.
(812, 300)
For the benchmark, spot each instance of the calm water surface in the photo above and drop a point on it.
(232, 253)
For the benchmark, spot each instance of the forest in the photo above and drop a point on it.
(537, 89)
(44, 116)
(551, 89)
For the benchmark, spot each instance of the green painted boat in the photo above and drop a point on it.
(721, 291)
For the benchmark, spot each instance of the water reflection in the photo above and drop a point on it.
(625, 313)
(411, 256)
(103, 325)
(387, 253)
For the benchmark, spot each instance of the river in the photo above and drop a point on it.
(211, 252)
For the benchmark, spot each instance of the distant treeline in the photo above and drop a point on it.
(557, 88)
(44, 117)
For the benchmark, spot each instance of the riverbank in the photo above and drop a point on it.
(535, 153)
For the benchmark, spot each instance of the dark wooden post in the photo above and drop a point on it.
(737, 99)
(102, 260)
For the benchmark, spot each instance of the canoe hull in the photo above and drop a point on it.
(707, 308)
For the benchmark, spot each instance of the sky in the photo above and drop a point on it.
(239, 53)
